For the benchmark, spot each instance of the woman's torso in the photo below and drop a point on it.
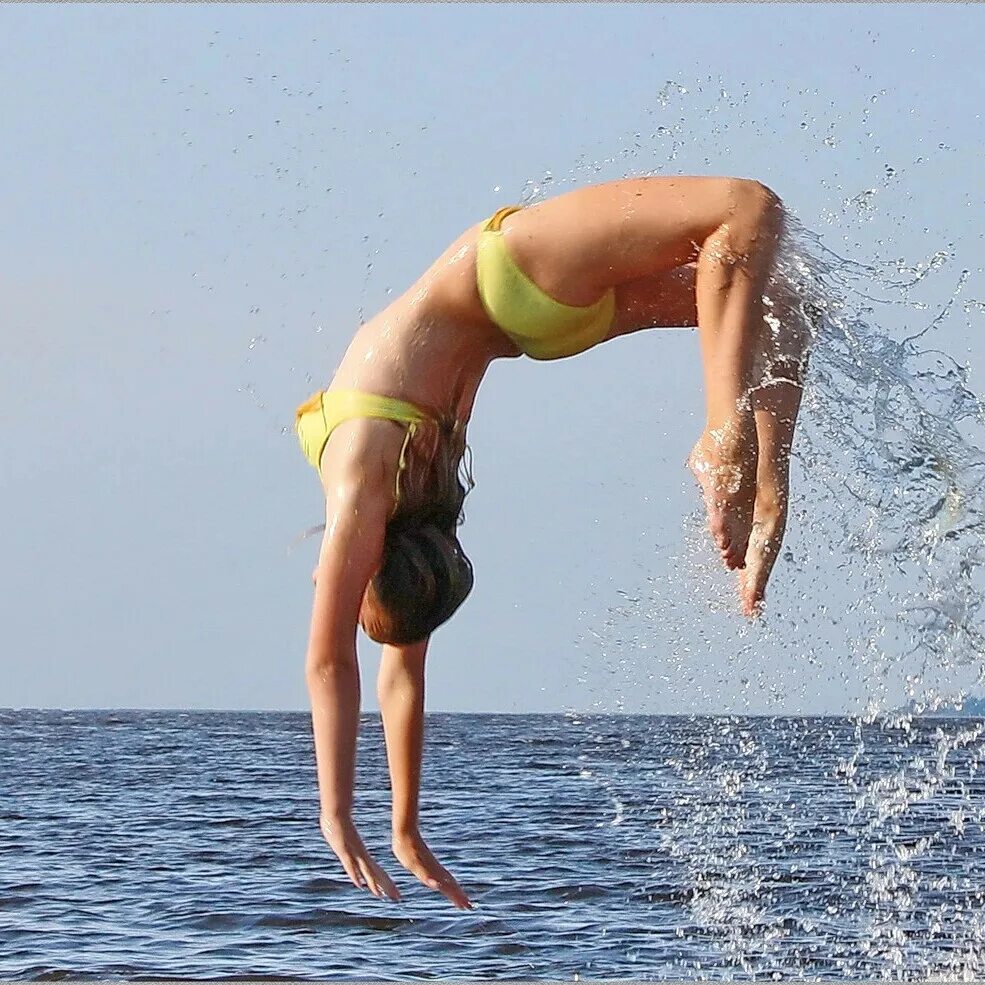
(432, 345)
(559, 260)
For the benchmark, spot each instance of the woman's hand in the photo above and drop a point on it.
(415, 856)
(344, 840)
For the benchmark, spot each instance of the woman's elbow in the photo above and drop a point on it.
(398, 686)
(322, 668)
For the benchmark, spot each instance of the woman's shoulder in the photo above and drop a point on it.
(361, 458)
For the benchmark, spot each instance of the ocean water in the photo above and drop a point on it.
(185, 845)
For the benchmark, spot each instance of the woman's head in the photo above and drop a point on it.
(424, 575)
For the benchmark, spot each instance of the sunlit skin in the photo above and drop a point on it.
(679, 252)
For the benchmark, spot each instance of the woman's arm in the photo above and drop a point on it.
(356, 515)
(400, 690)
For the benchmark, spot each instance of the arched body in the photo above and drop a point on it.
(550, 280)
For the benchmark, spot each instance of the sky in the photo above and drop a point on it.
(202, 202)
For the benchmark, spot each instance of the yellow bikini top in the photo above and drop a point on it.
(542, 327)
(319, 416)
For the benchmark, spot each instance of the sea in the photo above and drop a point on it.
(185, 845)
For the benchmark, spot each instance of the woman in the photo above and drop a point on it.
(387, 437)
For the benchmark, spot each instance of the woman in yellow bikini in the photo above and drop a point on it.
(387, 436)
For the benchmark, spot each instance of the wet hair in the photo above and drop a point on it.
(424, 575)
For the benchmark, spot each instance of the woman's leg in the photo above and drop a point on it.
(776, 407)
(579, 244)
(732, 269)
(779, 362)
(779, 366)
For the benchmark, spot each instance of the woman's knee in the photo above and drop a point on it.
(757, 204)
(749, 228)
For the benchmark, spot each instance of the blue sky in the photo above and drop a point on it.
(202, 200)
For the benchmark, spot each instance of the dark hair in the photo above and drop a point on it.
(424, 575)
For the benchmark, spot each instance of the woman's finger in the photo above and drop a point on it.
(383, 881)
(344, 856)
(389, 887)
(423, 874)
(351, 870)
(455, 894)
(448, 885)
(366, 868)
(443, 882)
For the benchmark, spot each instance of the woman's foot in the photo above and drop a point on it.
(776, 408)
(724, 461)
(769, 522)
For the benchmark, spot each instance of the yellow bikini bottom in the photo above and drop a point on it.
(540, 326)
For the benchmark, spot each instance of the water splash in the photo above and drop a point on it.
(879, 589)
(889, 477)
(889, 469)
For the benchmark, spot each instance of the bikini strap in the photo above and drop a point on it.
(496, 220)
(402, 462)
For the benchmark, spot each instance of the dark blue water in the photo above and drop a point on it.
(186, 845)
